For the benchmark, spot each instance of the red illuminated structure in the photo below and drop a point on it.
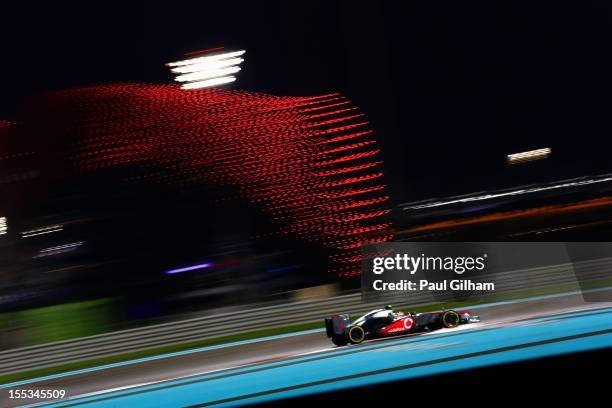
(311, 163)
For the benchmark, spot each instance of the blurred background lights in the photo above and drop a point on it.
(3, 226)
(189, 268)
(208, 70)
(42, 231)
(528, 156)
(60, 249)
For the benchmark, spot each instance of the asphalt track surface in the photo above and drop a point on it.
(306, 363)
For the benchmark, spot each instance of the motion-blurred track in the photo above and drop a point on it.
(305, 363)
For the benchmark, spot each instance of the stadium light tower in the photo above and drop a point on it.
(208, 68)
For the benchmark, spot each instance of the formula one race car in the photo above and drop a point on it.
(385, 322)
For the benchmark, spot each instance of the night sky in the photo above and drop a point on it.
(450, 87)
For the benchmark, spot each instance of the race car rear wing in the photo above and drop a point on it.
(337, 324)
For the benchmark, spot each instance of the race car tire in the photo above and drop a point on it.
(450, 319)
(356, 334)
(339, 340)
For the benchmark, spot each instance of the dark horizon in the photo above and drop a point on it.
(450, 89)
